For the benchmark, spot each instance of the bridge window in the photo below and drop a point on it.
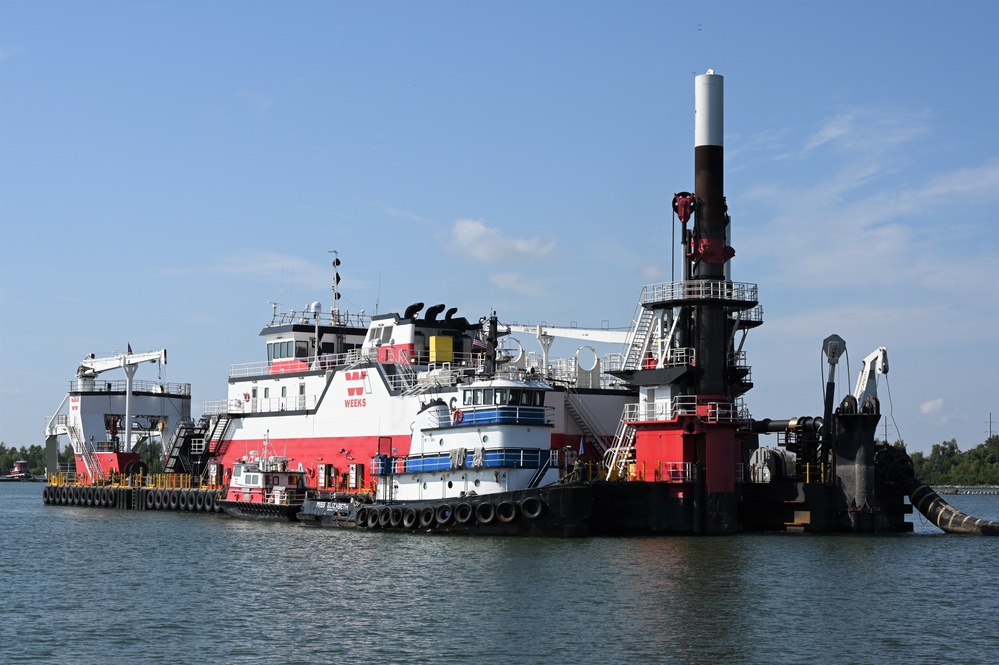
(502, 397)
(301, 349)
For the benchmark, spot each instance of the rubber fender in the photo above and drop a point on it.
(444, 513)
(384, 516)
(506, 511)
(463, 513)
(395, 517)
(485, 512)
(532, 507)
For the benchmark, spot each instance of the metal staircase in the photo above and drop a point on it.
(92, 463)
(182, 446)
(638, 340)
(585, 419)
(217, 443)
(624, 443)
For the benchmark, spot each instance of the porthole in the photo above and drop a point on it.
(476, 482)
(450, 484)
(424, 486)
(441, 442)
(485, 438)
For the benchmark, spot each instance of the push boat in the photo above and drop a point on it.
(263, 488)
(19, 473)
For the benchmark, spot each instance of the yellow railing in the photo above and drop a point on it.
(156, 480)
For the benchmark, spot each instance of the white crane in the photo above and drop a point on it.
(91, 366)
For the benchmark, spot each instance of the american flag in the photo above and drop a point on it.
(478, 344)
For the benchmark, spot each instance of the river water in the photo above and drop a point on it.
(86, 585)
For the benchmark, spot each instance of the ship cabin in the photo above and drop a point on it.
(410, 339)
(494, 436)
(265, 481)
(301, 342)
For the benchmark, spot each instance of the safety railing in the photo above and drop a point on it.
(155, 481)
(736, 293)
(687, 405)
(120, 386)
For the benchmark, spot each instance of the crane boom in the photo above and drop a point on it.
(867, 383)
(92, 366)
(590, 334)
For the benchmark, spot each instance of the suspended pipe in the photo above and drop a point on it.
(896, 465)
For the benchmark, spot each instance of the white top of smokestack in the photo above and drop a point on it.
(709, 109)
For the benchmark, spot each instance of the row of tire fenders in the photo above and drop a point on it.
(198, 501)
(447, 515)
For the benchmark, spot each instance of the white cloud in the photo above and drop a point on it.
(931, 407)
(488, 245)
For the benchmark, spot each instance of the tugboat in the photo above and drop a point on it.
(20, 472)
(264, 488)
(481, 462)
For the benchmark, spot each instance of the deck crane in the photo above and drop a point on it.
(91, 366)
(867, 383)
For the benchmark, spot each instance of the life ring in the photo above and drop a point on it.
(458, 416)
(532, 507)
(246, 397)
(312, 472)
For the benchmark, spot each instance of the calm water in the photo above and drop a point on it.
(94, 586)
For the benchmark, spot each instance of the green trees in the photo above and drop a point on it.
(947, 465)
(34, 455)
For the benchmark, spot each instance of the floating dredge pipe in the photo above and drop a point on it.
(897, 466)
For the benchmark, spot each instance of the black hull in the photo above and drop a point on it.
(561, 511)
(261, 511)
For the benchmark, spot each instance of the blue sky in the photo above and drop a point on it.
(167, 168)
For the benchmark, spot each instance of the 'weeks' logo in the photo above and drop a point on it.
(354, 392)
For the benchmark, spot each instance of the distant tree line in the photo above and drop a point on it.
(151, 452)
(33, 455)
(947, 465)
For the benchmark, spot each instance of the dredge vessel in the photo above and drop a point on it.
(417, 422)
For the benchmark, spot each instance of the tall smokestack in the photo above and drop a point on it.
(709, 232)
(711, 331)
